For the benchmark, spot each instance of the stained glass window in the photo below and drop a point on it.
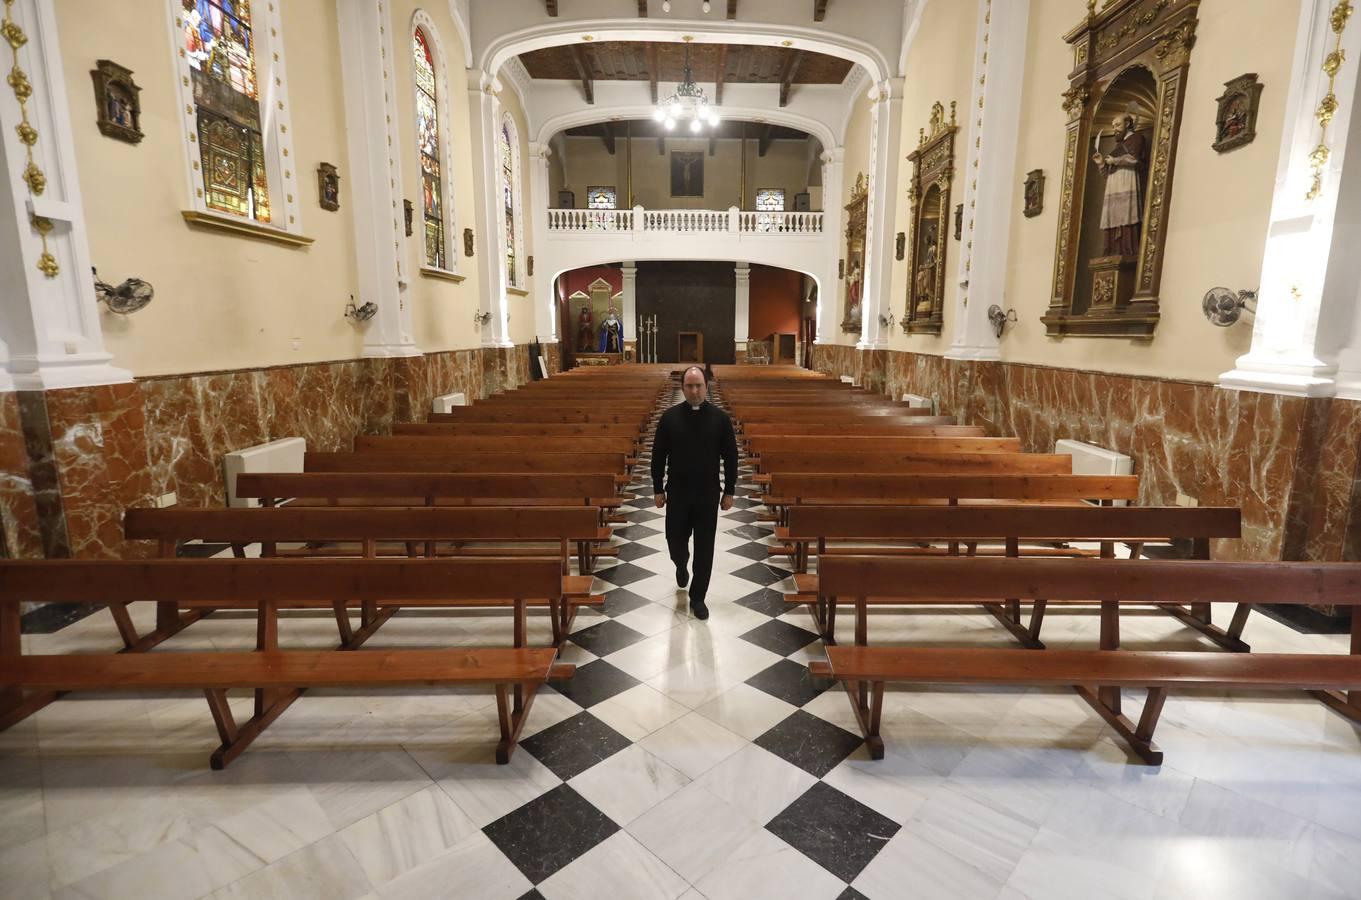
(508, 193)
(427, 129)
(220, 47)
(770, 200)
(601, 198)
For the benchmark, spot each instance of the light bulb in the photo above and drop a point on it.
(669, 123)
(658, 114)
(694, 125)
(675, 110)
(666, 5)
(705, 5)
(713, 118)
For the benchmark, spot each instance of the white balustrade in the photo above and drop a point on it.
(685, 221)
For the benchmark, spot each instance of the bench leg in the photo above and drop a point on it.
(1229, 640)
(1346, 703)
(123, 622)
(1110, 640)
(367, 631)
(1037, 619)
(830, 636)
(343, 622)
(867, 702)
(246, 734)
(511, 712)
(1143, 747)
(1004, 615)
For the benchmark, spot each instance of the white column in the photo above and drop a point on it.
(886, 118)
(50, 333)
(829, 287)
(742, 311)
(484, 113)
(629, 314)
(1311, 268)
(375, 174)
(990, 188)
(545, 303)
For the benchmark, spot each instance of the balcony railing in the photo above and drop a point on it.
(684, 221)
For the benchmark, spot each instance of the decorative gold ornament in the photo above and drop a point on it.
(1327, 107)
(32, 175)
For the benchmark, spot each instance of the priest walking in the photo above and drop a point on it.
(690, 439)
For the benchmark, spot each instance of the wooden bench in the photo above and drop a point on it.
(1010, 526)
(524, 463)
(279, 677)
(1097, 675)
(419, 532)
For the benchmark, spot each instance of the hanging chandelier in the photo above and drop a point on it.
(688, 102)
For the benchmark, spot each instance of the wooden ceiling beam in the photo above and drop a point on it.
(552, 7)
(642, 9)
(791, 70)
(583, 65)
(713, 143)
(721, 74)
(652, 71)
(819, 10)
(732, 9)
(763, 142)
(607, 135)
(661, 145)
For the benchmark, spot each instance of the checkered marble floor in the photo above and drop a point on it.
(685, 759)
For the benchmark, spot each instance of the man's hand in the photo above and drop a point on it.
(659, 499)
(726, 502)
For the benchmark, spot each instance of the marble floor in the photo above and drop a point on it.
(685, 759)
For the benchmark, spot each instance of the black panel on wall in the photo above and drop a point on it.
(690, 296)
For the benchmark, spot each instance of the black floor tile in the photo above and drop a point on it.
(594, 683)
(790, 681)
(635, 532)
(751, 550)
(646, 515)
(813, 744)
(550, 832)
(849, 894)
(628, 552)
(766, 601)
(533, 894)
(776, 636)
(622, 573)
(762, 574)
(835, 831)
(620, 601)
(640, 502)
(574, 745)
(604, 638)
(745, 516)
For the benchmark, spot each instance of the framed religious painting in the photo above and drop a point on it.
(1236, 117)
(118, 104)
(1124, 105)
(933, 168)
(856, 224)
(687, 173)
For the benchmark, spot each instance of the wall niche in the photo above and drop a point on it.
(1124, 105)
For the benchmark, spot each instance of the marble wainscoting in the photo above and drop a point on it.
(1289, 463)
(20, 532)
(72, 460)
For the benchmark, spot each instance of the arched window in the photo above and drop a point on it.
(237, 144)
(431, 152)
(510, 194)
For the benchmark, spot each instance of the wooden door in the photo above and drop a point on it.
(690, 346)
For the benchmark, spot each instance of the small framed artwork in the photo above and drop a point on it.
(1236, 118)
(118, 102)
(567, 200)
(959, 222)
(900, 245)
(328, 187)
(803, 202)
(467, 242)
(407, 212)
(687, 173)
(1034, 193)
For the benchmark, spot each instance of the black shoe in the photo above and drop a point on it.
(699, 609)
(682, 576)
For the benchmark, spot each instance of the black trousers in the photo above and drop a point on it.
(686, 516)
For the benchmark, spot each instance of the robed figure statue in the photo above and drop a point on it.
(1122, 205)
(612, 333)
(585, 332)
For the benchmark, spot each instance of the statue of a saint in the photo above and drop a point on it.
(585, 331)
(855, 282)
(612, 333)
(926, 271)
(1122, 205)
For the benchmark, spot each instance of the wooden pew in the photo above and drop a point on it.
(1098, 675)
(1011, 526)
(279, 677)
(524, 463)
(514, 444)
(909, 428)
(413, 527)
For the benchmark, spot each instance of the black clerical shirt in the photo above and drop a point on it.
(692, 440)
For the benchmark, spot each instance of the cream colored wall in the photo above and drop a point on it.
(222, 302)
(521, 307)
(856, 161)
(1220, 203)
(441, 310)
(785, 165)
(939, 69)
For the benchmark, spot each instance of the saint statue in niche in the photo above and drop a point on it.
(585, 331)
(926, 271)
(855, 281)
(612, 333)
(1122, 204)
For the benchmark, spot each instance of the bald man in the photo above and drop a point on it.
(691, 438)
